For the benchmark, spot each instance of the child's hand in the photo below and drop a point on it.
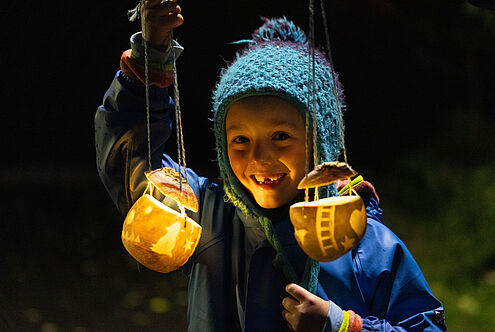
(307, 313)
(157, 21)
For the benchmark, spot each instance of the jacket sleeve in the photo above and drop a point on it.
(394, 287)
(121, 138)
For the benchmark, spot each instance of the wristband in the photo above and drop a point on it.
(355, 322)
(160, 78)
(345, 322)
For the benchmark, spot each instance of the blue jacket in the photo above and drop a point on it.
(233, 285)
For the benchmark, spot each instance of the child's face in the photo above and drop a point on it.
(266, 147)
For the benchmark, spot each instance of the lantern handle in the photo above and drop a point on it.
(351, 184)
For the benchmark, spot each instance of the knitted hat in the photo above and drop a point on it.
(275, 63)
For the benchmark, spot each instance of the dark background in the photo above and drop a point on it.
(419, 82)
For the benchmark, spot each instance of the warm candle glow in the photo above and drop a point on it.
(328, 228)
(159, 237)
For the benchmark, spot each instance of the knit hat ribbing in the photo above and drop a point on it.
(276, 63)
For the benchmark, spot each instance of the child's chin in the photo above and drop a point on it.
(270, 203)
(274, 200)
(270, 206)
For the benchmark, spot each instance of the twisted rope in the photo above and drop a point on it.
(334, 89)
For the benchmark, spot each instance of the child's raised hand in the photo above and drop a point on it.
(158, 18)
(307, 312)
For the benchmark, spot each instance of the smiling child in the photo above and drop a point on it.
(248, 272)
(266, 148)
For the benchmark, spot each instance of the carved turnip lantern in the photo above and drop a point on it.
(156, 235)
(328, 228)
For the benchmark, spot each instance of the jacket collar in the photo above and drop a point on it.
(283, 228)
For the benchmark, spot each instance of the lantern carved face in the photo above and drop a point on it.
(327, 229)
(156, 235)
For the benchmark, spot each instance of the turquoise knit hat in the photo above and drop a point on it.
(275, 63)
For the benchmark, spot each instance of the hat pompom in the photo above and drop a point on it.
(279, 29)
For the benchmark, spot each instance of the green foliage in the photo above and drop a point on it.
(458, 251)
(448, 219)
(485, 16)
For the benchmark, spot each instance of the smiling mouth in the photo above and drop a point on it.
(268, 179)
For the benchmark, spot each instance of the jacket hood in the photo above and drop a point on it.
(275, 63)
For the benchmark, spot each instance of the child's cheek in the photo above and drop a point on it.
(294, 157)
(237, 162)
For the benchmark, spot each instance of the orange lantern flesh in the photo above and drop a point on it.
(327, 229)
(159, 237)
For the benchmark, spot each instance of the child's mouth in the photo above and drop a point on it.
(268, 180)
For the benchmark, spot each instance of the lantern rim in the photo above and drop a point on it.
(171, 184)
(325, 174)
(169, 209)
(337, 200)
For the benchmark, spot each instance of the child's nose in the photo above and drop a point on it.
(262, 152)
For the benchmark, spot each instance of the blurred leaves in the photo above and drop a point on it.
(33, 315)
(134, 298)
(487, 17)
(159, 305)
(444, 210)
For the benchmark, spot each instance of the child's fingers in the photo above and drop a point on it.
(284, 314)
(151, 2)
(289, 304)
(156, 2)
(162, 9)
(174, 14)
(168, 7)
(169, 11)
(161, 18)
(148, 4)
(297, 291)
(169, 22)
(289, 318)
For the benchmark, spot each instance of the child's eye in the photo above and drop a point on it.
(280, 136)
(240, 140)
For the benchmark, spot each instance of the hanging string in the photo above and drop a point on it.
(308, 113)
(312, 89)
(181, 152)
(311, 271)
(335, 92)
(147, 90)
(306, 140)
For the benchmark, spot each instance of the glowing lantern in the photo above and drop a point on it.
(327, 229)
(156, 235)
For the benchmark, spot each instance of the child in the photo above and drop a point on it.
(247, 271)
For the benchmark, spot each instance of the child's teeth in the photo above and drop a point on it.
(261, 179)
